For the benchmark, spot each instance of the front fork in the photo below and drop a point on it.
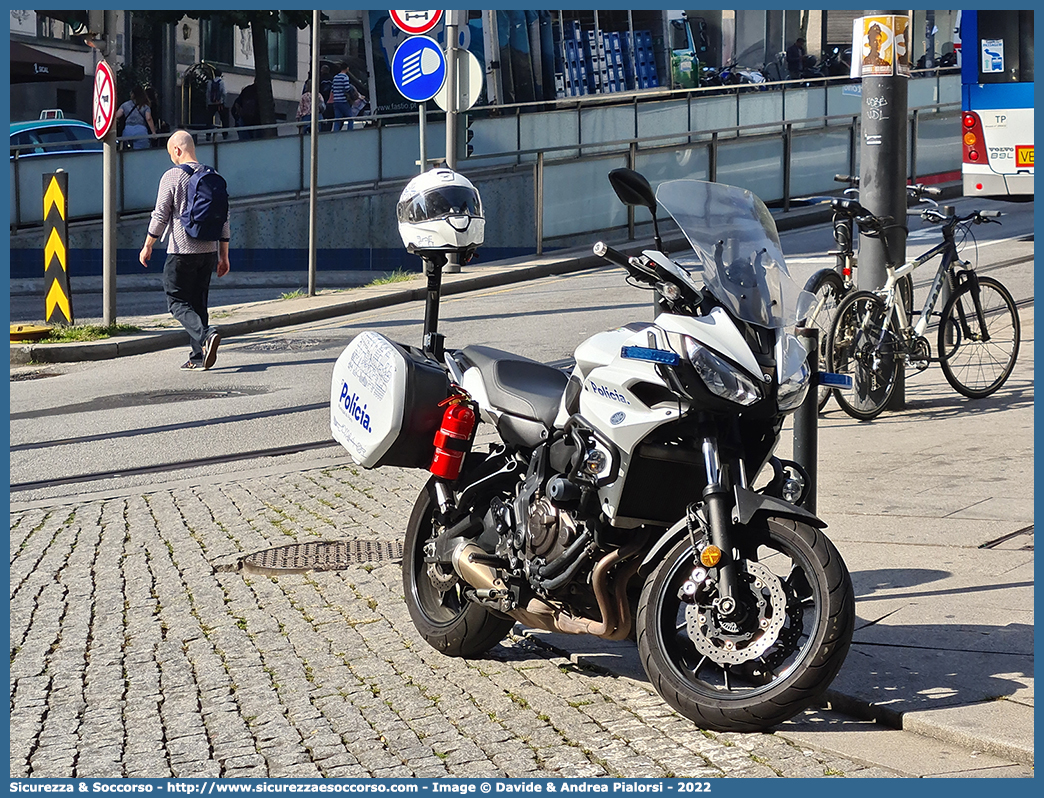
(717, 503)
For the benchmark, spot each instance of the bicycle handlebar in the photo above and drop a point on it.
(975, 217)
(914, 190)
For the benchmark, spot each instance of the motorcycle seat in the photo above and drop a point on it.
(518, 385)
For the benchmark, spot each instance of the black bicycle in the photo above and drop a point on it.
(978, 331)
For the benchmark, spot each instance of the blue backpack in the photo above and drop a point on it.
(206, 208)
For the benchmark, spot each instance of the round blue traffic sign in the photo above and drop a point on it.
(418, 68)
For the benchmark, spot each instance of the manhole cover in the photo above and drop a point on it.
(322, 556)
(270, 345)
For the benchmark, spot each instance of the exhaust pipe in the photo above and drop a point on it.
(480, 576)
(616, 618)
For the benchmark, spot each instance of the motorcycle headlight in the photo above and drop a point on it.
(721, 378)
(792, 392)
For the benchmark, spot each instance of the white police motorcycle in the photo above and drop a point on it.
(637, 497)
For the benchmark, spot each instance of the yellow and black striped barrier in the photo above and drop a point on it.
(57, 289)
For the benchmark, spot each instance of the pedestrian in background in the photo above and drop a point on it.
(160, 124)
(304, 107)
(190, 261)
(137, 118)
(326, 92)
(216, 96)
(247, 110)
(796, 58)
(343, 94)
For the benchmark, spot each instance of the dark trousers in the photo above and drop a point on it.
(186, 282)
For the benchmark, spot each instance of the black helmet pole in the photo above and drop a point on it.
(433, 340)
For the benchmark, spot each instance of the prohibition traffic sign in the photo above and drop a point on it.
(104, 99)
(418, 68)
(415, 22)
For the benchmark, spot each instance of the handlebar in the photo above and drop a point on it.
(678, 294)
(975, 217)
(603, 250)
(915, 190)
(636, 267)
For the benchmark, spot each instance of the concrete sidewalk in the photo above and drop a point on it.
(932, 508)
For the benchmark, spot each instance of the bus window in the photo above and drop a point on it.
(1012, 62)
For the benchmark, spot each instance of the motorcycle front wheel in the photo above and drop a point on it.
(749, 673)
(435, 595)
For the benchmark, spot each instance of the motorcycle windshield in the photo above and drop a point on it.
(738, 248)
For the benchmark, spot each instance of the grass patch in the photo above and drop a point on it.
(396, 276)
(292, 294)
(78, 333)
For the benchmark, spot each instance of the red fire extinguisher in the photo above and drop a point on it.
(453, 440)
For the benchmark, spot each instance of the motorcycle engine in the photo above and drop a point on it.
(549, 531)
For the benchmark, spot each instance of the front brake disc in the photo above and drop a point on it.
(726, 648)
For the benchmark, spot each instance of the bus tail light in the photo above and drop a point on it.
(973, 139)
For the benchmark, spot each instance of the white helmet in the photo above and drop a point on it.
(440, 210)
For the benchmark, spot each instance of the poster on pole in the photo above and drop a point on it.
(880, 46)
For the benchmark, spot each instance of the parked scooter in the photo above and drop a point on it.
(734, 75)
(837, 62)
(619, 500)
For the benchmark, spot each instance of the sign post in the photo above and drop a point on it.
(416, 23)
(104, 112)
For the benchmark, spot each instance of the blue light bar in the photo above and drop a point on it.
(831, 380)
(651, 355)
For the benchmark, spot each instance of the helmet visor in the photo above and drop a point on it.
(440, 203)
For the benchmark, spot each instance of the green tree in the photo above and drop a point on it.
(259, 23)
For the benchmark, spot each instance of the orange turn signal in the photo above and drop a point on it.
(710, 556)
(969, 139)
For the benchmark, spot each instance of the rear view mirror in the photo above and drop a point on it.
(633, 189)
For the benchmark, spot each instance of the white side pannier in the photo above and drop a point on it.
(384, 402)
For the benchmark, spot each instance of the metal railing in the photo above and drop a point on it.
(711, 122)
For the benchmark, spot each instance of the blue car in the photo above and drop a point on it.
(46, 136)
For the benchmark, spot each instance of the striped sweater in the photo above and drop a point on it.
(170, 203)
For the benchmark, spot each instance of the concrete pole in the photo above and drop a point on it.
(882, 175)
(313, 139)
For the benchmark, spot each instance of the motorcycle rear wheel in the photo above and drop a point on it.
(444, 617)
(792, 672)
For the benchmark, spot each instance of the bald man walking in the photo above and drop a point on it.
(190, 261)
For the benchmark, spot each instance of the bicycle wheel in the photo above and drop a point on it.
(978, 353)
(829, 290)
(861, 347)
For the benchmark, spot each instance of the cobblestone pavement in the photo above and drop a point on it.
(138, 649)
